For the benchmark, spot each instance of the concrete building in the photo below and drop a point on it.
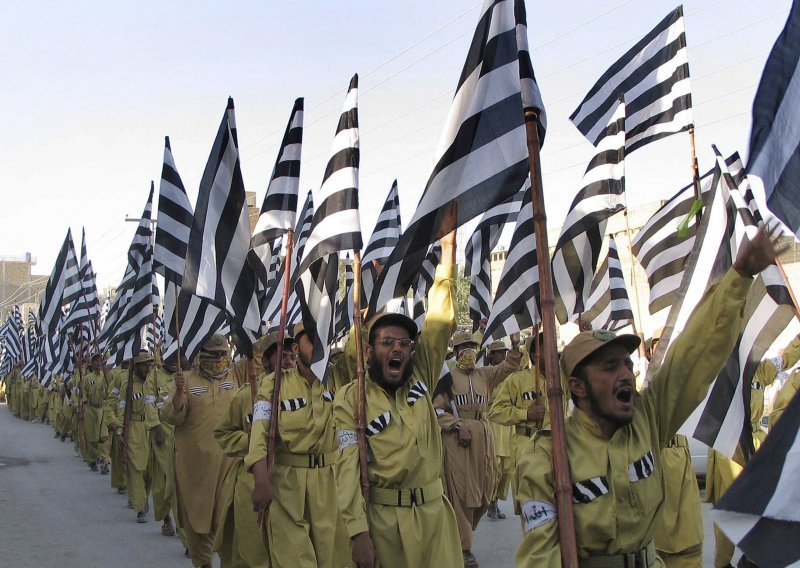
(18, 285)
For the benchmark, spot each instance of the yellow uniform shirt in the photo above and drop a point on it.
(617, 483)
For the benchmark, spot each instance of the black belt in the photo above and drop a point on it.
(525, 431)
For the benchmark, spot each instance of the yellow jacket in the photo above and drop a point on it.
(406, 447)
(617, 483)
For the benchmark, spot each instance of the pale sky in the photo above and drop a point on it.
(91, 89)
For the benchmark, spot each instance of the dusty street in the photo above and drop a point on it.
(54, 512)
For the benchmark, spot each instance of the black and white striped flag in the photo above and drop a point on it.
(273, 299)
(63, 286)
(140, 252)
(280, 202)
(516, 303)
(662, 246)
(344, 306)
(174, 221)
(482, 158)
(85, 309)
(477, 263)
(424, 280)
(653, 79)
(608, 306)
(219, 242)
(775, 135)
(12, 333)
(760, 511)
(196, 318)
(336, 226)
(381, 243)
(578, 248)
(31, 366)
(719, 421)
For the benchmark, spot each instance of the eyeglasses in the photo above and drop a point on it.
(405, 343)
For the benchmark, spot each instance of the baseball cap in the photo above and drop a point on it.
(587, 342)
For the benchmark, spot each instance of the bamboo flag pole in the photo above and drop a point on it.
(562, 481)
(276, 390)
(695, 177)
(361, 392)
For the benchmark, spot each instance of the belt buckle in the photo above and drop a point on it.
(412, 497)
(316, 461)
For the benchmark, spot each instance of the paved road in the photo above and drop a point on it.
(54, 512)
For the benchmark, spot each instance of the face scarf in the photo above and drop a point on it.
(466, 359)
(212, 368)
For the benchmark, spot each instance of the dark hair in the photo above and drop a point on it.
(579, 373)
(392, 318)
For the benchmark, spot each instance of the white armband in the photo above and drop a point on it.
(347, 438)
(150, 399)
(122, 404)
(262, 410)
(535, 513)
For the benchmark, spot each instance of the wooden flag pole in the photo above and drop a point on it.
(695, 174)
(361, 383)
(276, 389)
(177, 329)
(126, 417)
(562, 481)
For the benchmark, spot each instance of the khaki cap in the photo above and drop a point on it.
(216, 342)
(143, 357)
(587, 342)
(498, 345)
(462, 337)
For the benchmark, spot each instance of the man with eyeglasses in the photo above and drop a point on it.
(303, 526)
(240, 539)
(408, 520)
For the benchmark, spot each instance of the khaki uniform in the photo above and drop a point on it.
(54, 402)
(42, 403)
(790, 388)
(162, 461)
(138, 442)
(239, 537)
(723, 471)
(303, 526)
(470, 473)
(33, 400)
(96, 416)
(411, 521)
(678, 533)
(618, 482)
(200, 466)
(119, 474)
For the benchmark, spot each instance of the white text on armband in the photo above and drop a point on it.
(535, 513)
(347, 438)
(262, 410)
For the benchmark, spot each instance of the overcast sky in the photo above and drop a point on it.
(91, 88)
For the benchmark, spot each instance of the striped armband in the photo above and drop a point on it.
(535, 513)
(347, 438)
(262, 410)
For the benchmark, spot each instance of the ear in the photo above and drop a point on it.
(577, 387)
(295, 348)
(369, 350)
